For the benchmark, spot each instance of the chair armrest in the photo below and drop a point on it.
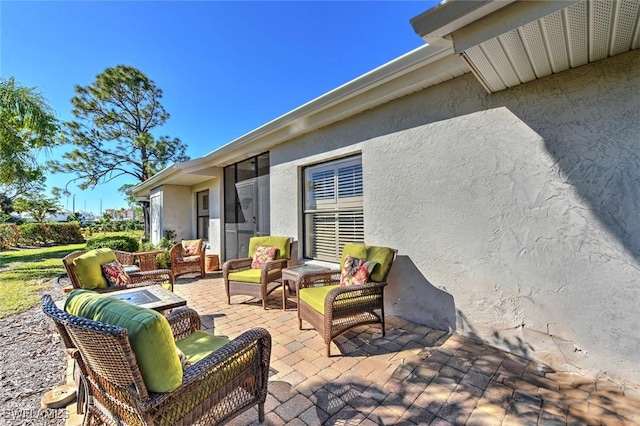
(319, 279)
(351, 292)
(175, 252)
(274, 264)
(183, 322)
(249, 352)
(236, 265)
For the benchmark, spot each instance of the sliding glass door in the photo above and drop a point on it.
(246, 202)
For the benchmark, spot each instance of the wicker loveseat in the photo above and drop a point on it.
(225, 378)
(332, 309)
(89, 274)
(240, 278)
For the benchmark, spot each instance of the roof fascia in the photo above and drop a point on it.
(306, 117)
(504, 20)
(449, 16)
(164, 175)
(335, 105)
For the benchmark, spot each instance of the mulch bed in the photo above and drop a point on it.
(32, 362)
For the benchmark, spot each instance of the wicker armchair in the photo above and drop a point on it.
(229, 381)
(185, 261)
(338, 309)
(240, 278)
(138, 279)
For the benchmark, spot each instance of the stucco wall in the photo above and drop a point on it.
(515, 214)
(178, 211)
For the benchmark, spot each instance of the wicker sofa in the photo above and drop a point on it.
(162, 277)
(332, 309)
(225, 382)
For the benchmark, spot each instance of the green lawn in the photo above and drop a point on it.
(29, 271)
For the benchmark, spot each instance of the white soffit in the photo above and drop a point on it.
(584, 32)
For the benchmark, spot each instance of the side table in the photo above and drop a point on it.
(293, 275)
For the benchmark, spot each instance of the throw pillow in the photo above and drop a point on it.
(190, 247)
(262, 255)
(355, 271)
(115, 274)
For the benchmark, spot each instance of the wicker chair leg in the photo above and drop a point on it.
(261, 412)
(299, 324)
(329, 349)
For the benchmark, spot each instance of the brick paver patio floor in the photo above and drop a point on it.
(413, 375)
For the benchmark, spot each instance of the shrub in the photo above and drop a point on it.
(121, 242)
(31, 234)
(9, 235)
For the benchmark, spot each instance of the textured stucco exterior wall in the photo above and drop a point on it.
(515, 214)
(178, 211)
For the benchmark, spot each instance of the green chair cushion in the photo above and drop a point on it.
(167, 286)
(149, 334)
(249, 275)
(314, 296)
(200, 344)
(283, 244)
(382, 255)
(88, 267)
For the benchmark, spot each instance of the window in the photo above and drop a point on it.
(203, 214)
(333, 214)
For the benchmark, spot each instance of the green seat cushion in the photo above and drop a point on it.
(382, 255)
(149, 334)
(314, 296)
(249, 275)
(200, 344)
(88, 267)
(283, 244)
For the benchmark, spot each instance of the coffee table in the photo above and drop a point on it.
(153, 297)
(293, 275)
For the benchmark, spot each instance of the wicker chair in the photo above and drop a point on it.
(239, 278)
(215, 389)
(349, 306)
(187, 263)
(138, 279)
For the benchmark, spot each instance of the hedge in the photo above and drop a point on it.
(9, 234)
(119, 242)
(36, 234)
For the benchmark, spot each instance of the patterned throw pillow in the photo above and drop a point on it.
(190, 247)
(262, 255)
(355, 271)
(115, 274)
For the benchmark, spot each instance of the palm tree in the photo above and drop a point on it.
(27, 124)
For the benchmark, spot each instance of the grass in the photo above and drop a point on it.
(29, 271)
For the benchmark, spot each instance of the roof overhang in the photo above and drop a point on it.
(521, 41)
(188, 173)
(504, 43)
(423, 67)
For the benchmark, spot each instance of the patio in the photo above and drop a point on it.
(414, 375)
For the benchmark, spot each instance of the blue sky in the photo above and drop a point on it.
(225, 67)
